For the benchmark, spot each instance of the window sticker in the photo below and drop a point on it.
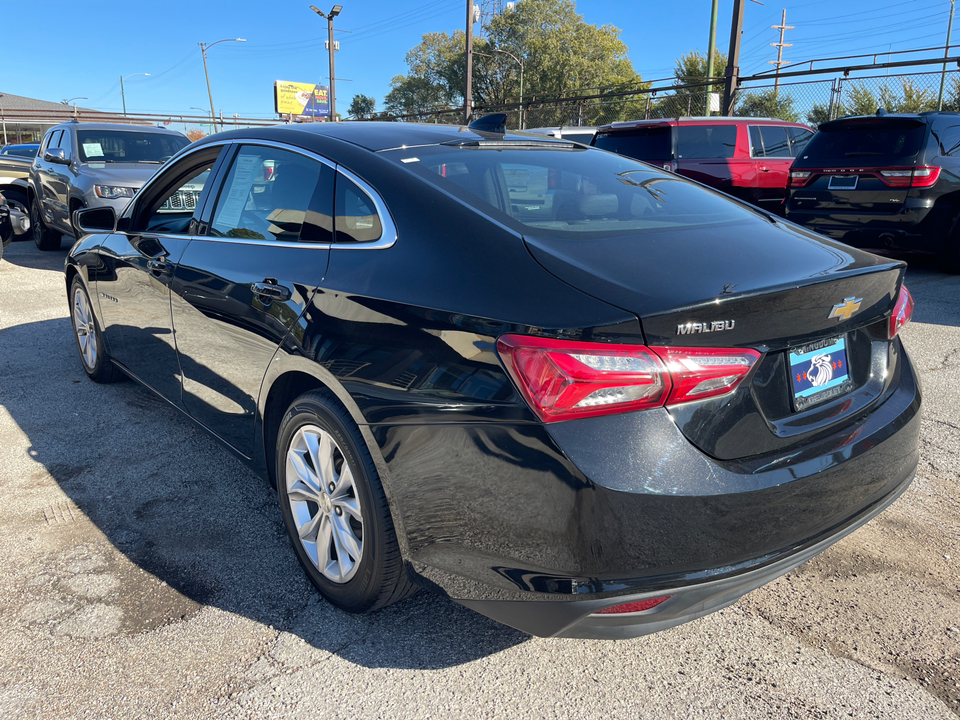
(92, 149)
(245, 173)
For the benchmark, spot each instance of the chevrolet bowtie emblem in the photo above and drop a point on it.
(846, 309)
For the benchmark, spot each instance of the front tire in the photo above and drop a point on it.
(334, 507)
(86, 331)
(44, 238)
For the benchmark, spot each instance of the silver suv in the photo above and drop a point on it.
(89, 165)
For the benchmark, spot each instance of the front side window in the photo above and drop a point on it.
(170, 205)
(275, 195)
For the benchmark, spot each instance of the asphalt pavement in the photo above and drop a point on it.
(144, 573)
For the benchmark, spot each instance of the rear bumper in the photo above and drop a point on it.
(918, 228)
(576, 619)
(540, 526)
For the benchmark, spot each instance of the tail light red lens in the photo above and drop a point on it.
(902, 312)
(566, 379)
(922, 176)
(799, 178)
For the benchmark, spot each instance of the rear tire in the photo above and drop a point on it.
(334, 507)
(86, 331)
(45, 238)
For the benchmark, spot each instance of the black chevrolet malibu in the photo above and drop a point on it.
(578, 394)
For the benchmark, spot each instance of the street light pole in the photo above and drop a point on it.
(520, 63)
(67, 102)
(203, 51)
(334, 11)
(123, 97)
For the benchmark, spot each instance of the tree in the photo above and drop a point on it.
(561, 56)
(767, 103)
(195, 134)
(362, 107)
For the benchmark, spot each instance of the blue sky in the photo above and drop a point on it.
(90, 44)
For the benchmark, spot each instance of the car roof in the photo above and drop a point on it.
(118, 126)
(700, 120)
(378, 136)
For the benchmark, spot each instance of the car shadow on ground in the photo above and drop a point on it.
(24, 253)
(189, 525)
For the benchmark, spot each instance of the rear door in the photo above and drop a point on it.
(773, 148)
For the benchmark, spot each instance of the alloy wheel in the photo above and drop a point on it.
(324, 503)
(83, 325)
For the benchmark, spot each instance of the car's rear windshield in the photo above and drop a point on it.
(650, 144)
(28, 151)
(573, 191)
(124, 146)
(865, 141)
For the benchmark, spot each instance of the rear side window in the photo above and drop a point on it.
(769, 141)
(706, 141)
(868, 141)
(799, 137)
(647, 144)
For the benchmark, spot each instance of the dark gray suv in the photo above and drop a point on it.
(89, 165)
(883, 181)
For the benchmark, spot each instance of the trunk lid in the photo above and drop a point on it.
(753, 283)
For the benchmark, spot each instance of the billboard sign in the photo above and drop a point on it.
(301, 99)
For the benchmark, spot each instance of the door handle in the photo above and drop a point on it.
(159, 266)
(270, 289)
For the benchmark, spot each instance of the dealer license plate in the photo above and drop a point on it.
(819, 372)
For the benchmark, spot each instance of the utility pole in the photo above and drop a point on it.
(334, 11)
(946, 53)
(468, 91)
(782, 27)
(710, 48)
(733, 59)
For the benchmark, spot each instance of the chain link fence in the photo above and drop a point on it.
(806, 101)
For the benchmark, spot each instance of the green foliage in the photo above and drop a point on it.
(560, 55)
(767, 103)
(362, 107)
(860, 99)
(820, 113)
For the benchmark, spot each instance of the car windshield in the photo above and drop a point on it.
(876, 141)
(128, 146)
(573, 190)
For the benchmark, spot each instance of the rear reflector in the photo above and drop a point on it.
(633, 607)
(566, 379)
(902, 312)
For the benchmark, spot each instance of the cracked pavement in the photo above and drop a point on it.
(144, 572)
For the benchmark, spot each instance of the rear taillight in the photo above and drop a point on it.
(922, 176)
(902, 312)
(799, 178)
(566, 379)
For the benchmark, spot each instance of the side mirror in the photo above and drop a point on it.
(57, 156)
(95, 219)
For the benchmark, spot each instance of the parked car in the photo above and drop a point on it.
(14, 172)
(12, 222)
(883, 181)
(91, 165)
(572, 391)
(748, 158)
(26, 150)
(578, 133)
